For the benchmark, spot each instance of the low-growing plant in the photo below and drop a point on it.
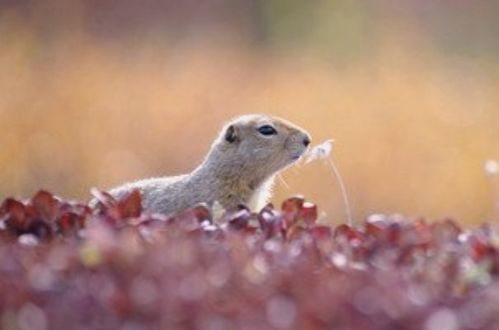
(67, 266)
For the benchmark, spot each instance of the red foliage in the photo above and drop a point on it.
(66, 265)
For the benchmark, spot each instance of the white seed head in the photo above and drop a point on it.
(320, 151)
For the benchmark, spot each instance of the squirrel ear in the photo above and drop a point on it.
(231, 134)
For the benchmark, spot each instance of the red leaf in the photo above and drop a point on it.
(290, 209)
(45, 205)
(69, 222)
(202, 213)
(131, 205)
(16, 215)
(480, 248)
(292, 205)
(308, 213)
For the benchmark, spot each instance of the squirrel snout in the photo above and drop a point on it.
(306, 141)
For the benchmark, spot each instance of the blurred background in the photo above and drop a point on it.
(95, 93)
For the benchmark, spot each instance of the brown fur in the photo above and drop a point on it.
(238, 169)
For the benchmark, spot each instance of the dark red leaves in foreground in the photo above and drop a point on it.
(65, 265)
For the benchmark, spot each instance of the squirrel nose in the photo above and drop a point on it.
(306, 141)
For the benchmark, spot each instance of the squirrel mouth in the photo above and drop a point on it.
(297, 154)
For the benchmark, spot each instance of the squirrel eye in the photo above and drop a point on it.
(267, 130)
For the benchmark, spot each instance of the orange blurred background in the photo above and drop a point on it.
(95, 93)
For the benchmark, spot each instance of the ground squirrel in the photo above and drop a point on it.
(238, 169)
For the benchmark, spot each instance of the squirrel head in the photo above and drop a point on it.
(259, 144)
